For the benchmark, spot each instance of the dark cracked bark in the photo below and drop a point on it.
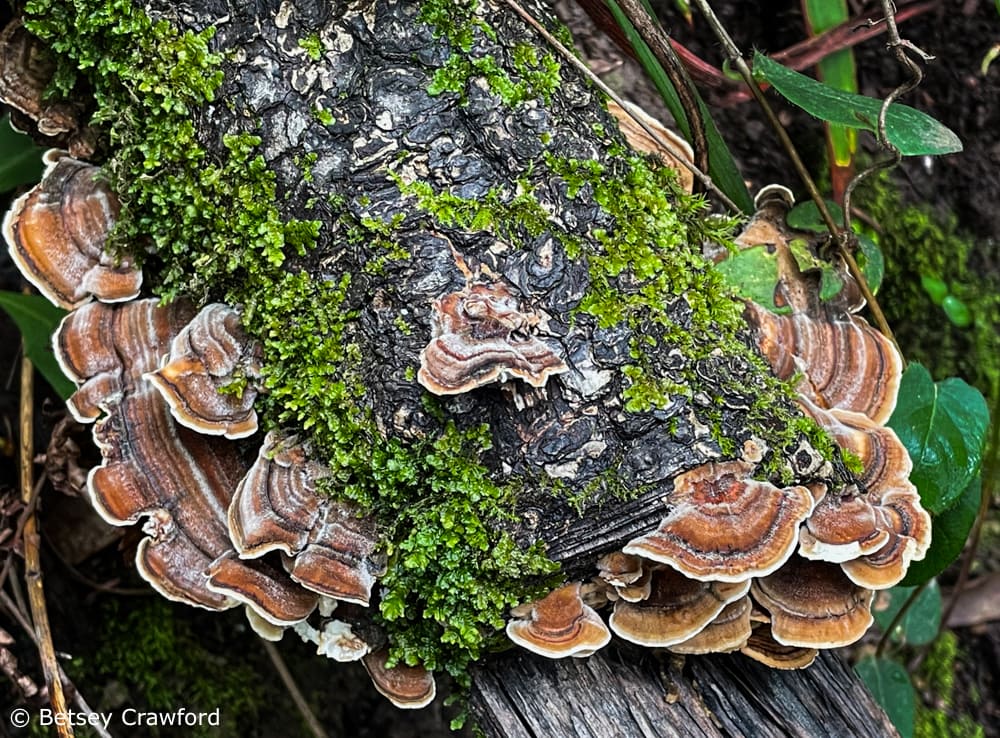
(373, 79)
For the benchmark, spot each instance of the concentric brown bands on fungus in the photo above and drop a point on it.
(209, 355)
(56, 234)
(813, 604)
(849, 365)
(560, 625)
(329, 544)
(408, 687)
(480, 336)
(180, 481)
(677, 609)
(724, 526)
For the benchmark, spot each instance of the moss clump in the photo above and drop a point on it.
(938, 674)
(536, 76)
(924, 255)
(162, 664)
(205, 219)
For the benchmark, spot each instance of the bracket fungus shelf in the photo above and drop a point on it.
(387, 438)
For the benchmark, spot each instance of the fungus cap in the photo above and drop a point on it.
(728, 631)
(848, 364)
(407, 687)
(209, 355)
(480, 336)
(677, 609)
(812, 604)
(267, 591)
(724, 526)
(560, 625)
(762, 647)
(56, 234)
(329, 546)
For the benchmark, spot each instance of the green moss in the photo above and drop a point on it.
(937, 675)
(928, 258)
(163, 664)
(324, 116)
(534, 76)
(313, 46)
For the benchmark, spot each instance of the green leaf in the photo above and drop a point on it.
(936, 289)
(922, 620)
(914, 133)
(37, 319)
(950, 530)
(722, 167)
(957, 311)
(871, 261)
(805, 216)
(890, 685)
(20, 159)
(943, 426)
(753, 273)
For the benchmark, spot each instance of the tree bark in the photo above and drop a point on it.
(628, 692)
(373, 78)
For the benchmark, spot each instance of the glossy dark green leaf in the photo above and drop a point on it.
(914, 133)
(922, 620)
(943, 426)
(949, 531)
(890, 685)
(722, 167)
(20, 159)
(37, 319)
(805, 216)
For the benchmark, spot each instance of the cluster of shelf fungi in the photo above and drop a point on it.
(738, 564)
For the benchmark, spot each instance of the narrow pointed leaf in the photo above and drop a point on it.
(914, 133)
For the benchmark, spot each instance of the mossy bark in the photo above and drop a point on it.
(418, 138)
(348, 102)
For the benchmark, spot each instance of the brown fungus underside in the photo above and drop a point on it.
(223, 530)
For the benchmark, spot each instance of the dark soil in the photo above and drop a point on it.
(966, 185)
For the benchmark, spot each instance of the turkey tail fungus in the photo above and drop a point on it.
(501, 386)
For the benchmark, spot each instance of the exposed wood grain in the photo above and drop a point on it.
(624, 692)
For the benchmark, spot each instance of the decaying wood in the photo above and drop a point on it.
(629, 692)
(372, 79)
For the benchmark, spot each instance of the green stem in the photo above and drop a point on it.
(841, 239)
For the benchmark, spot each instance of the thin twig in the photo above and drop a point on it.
(22, 620)
(22, 520)
(659, 43)
(898, 47)
(32, 558)
(293, 689)
(887, 633)
(841, 239)
(570, 57)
